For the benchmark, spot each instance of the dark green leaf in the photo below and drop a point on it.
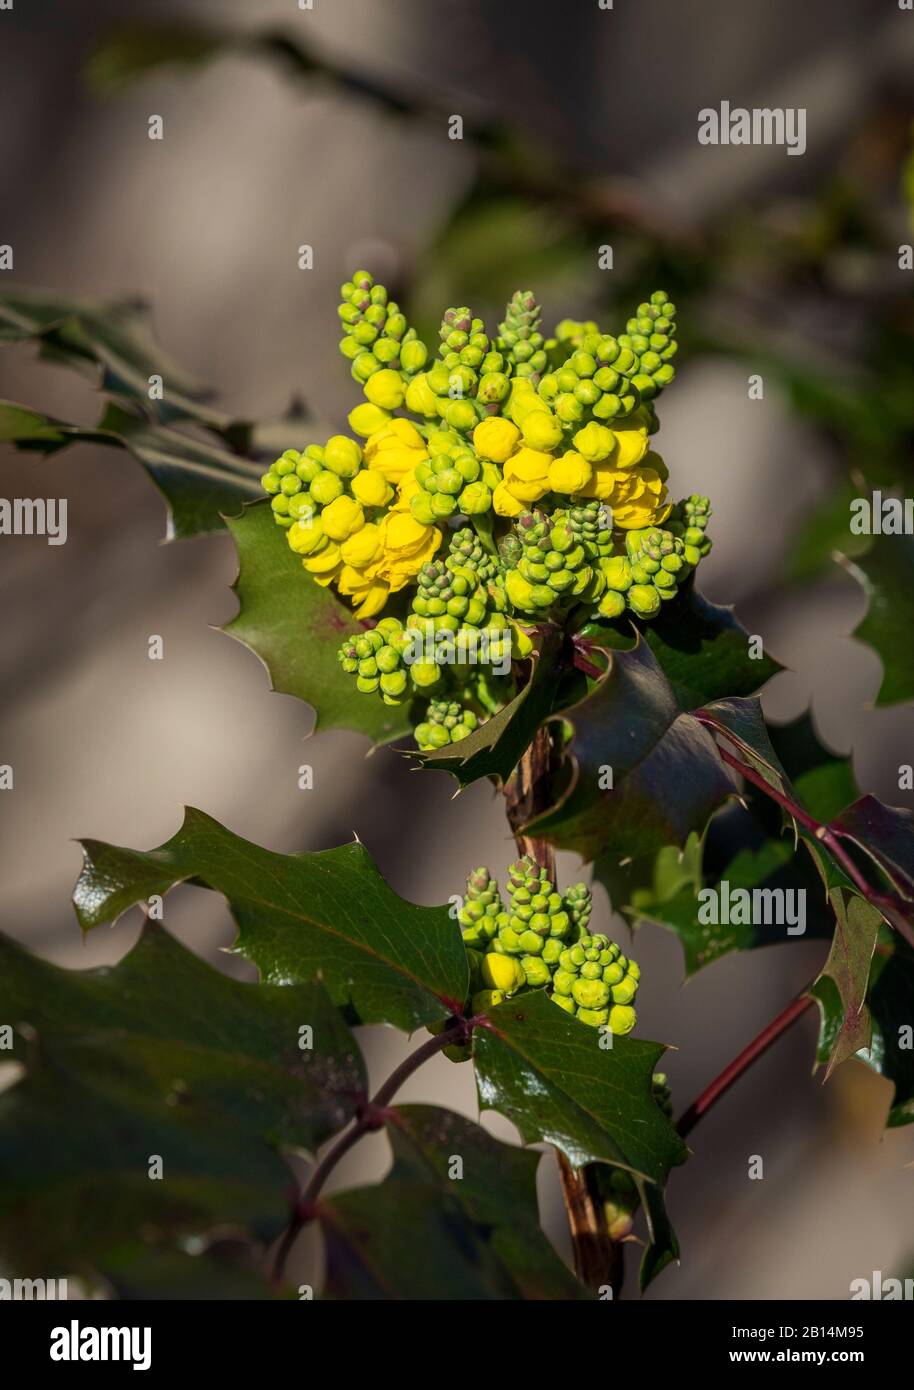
(702, 650)
(666, 773)
(483, 1219)
(328, 915)
(890, 1001)
(556, 1080)
(159, 1055)
(201, 482)
(295, 626)
(111, 343)
(495, 748)
(886, 575)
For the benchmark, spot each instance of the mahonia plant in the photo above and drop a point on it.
(505, 482)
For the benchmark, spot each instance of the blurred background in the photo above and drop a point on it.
(580, 130)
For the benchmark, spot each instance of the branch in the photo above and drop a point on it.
(731, 1073)
(894, 909)
(371, 1116)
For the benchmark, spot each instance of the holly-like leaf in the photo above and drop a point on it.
(200, 481)
(746, 847)
(667, 777)
(328, 915)
(886, 575)
(702, 649)
(496, 747)
(110, 342)
(848, 968)
(159, 1056)
(556, 1080)
(890, 1002)
(886, 835)
(295, 626)
(425, 1232)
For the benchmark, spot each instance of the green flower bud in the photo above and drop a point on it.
(413, 356)
(644, 600)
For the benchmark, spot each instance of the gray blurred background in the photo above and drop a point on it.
(206, 225)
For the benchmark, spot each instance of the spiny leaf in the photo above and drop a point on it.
(550, 1075)
(328, 915)
(848, 967)
(295, 626)
(667, 777)
(702, 649)
(495, 748)
(886, 575)
(157, 1056)
(425, 1233)
(890, 1002)
(111, 343)
(744, 847)
(199, 481)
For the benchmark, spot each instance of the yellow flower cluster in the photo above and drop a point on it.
(367, 559)
(614, 465)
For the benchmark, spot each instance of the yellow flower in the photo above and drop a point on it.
(420, 398)
(366, 419)
(407, 488)
(385, 389)
(362, 548)
(405, 546)
(523, 400)
(395, 449)
(595, 442)
(631, 446)
(395, 434)
(527, 474)
(541, 430)
(342, 518)
(570, 473)
(505, 503)
(305, 537)
(637, 496)
(368, 595)
(371, 488)
(495, 439)
(325, 565)
(653, 460)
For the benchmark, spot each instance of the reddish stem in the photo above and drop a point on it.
(371, 1116)
(731, 1073)
(898, 911)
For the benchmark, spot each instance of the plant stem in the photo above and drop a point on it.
(370, 1117)
(741, 1063)
(893, 908)
(598, 1259)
